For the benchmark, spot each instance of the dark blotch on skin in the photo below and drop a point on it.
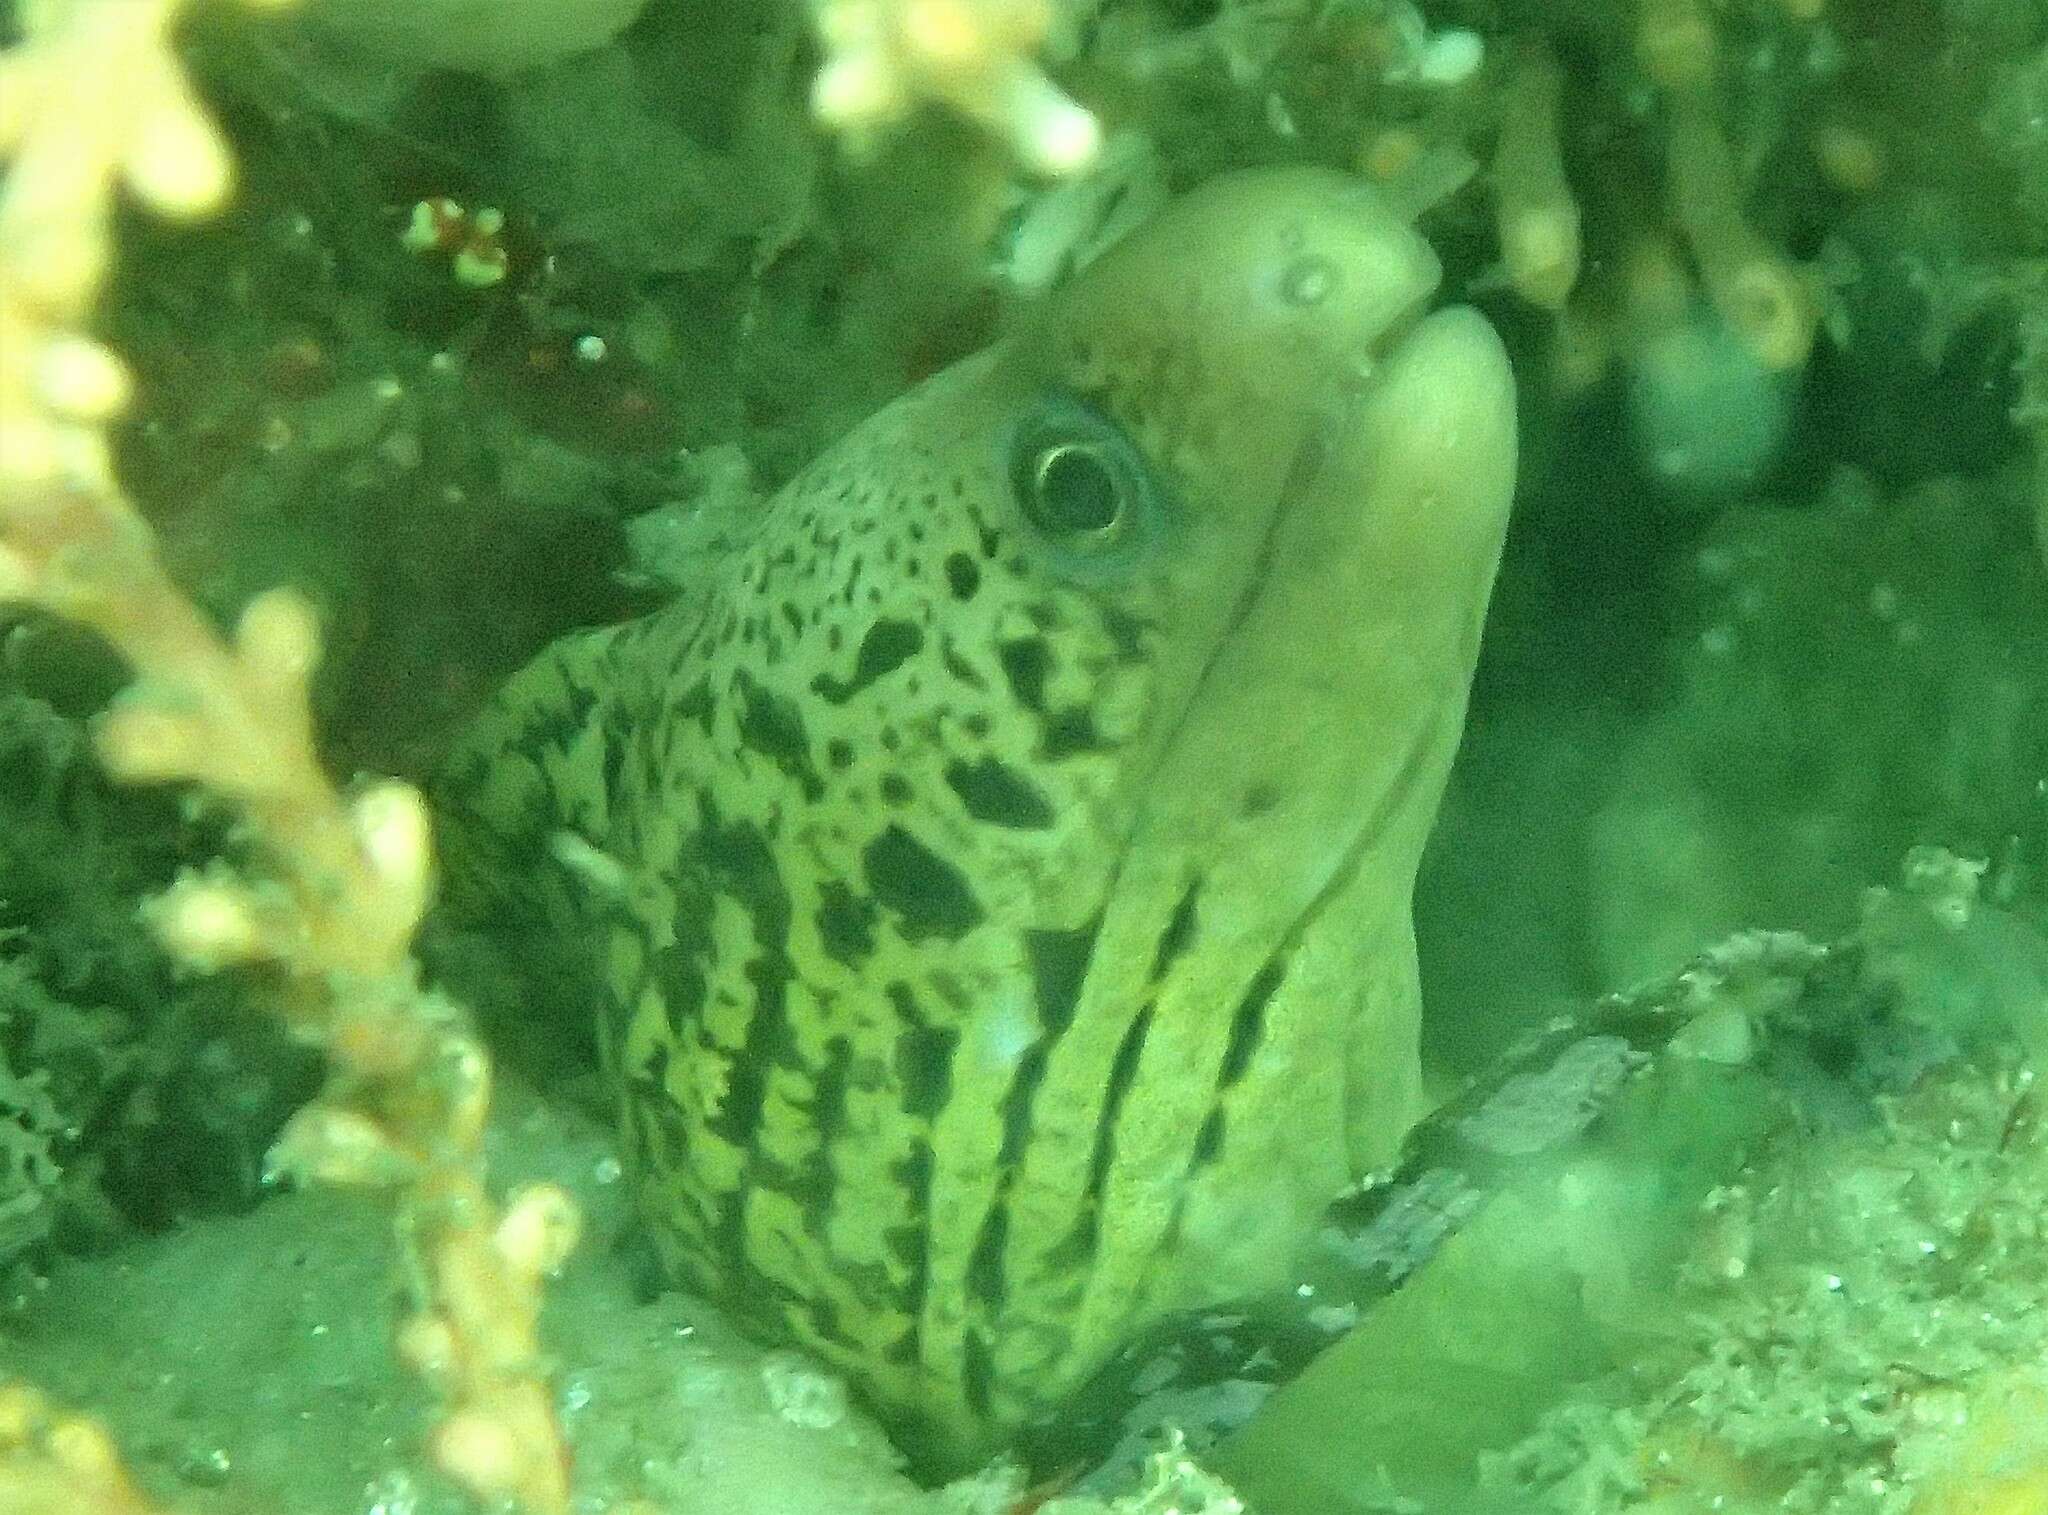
(977, 1370)
(1016, 1110)
(911, 1244)
(774, 727)
(985, 1280)
(846, 923)
(828, 1098)
(996, 793)
(951, 992)
(1179, 931)
(1126, 631)
(924, 1055)
(1069, 733)
(1248, 1021)
(694, 704)
(578, 711)
(1079, 1245)
(618, 733)
(678, 968)
(888, 645)
(963, 575)
(958, 668)
(928, 895)
(738, 863)
(1025, 664)
(1059, 965)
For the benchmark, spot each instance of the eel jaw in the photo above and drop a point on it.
(1335, 699)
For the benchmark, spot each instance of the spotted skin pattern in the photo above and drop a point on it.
(993, 889)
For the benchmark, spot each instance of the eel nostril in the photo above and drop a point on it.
(1308, 280)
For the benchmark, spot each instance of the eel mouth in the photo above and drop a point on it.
(1403, 484)
(1418, 466)
(1399, 379)
(1398, 372)
(1320, 729)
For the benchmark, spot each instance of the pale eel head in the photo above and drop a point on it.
(1313, 476)
(1012, 934)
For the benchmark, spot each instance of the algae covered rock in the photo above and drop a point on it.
(1794, 1268)
(130, 1097)
(1772, 782)
(30, 1125)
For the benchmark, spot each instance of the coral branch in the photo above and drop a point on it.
(344, 887)
(1675, 44)
(95, 98)
(1757, 291)
(974, 56)
(57, 1464)
(1537, 216)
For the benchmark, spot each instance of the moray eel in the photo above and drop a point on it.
(995, 886)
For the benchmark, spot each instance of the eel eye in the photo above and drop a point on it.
(1085, 490)
(1074, 490)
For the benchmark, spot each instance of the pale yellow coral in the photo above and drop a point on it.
(1993, 1459)
(1655, 258)
(52, 1463)
(1762, 295)
(94, 100)
(976, 57)
(1537, 216)
(91, 101)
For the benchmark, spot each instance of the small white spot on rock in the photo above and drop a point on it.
(802, 1394)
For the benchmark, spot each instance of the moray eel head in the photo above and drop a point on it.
(1322, 489)
(1002, 928)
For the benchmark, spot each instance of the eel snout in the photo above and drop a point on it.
(1351, 493)
(1238, 314)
